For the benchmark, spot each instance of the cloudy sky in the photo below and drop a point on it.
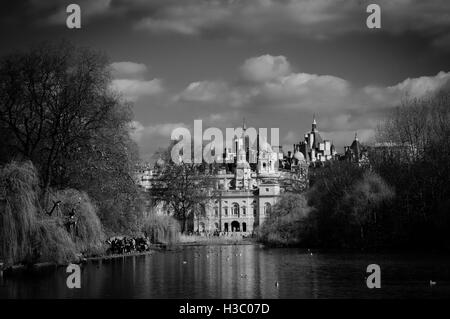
(274, 62)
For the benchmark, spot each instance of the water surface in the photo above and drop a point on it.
(242, 271)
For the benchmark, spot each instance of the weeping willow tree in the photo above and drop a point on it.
(88, 234)
(50, 242)
(161, 229)
(18, 210)
(30, 233)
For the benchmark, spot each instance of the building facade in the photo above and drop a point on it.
(250, 179)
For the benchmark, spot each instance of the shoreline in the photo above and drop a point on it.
(48, 266)
(24, 268)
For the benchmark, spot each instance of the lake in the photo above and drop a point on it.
(242, 271)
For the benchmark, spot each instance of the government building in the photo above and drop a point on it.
(247, 190)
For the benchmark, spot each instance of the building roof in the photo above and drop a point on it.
(317, 139)
(299, 156)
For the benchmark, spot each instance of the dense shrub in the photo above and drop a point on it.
(287, 223)
(349, 206)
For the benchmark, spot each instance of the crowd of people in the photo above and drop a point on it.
(126, 245)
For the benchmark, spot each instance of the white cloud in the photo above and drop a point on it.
(275, 85)
(419, 87)
(305, 91)
(133, 89)
(342, 107)
(216, 93)
(265, 68)
(141, 133)
(187, 18)
(127, 69)
(204, 91)
(151, 137)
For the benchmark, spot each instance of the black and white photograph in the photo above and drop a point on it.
(240, 150)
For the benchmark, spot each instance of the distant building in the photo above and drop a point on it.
(314, 148)
(356, 153)
(250, 179)
(248, 182)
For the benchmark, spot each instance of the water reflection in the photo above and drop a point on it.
(240, 271)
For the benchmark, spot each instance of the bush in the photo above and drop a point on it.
(288, 223)
(161, 229)
(365, 204)
(349, 207)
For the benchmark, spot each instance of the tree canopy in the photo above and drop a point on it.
(57, 109)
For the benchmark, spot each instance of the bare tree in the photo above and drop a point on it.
(52, 98)
(185, 188)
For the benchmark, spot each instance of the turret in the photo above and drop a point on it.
(314, 124)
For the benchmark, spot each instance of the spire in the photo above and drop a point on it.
(356, 136)
(314, 123)
(244, 127)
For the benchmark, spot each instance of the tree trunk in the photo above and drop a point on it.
(183, 225)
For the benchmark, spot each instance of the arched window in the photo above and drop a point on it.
(254, 208)
(235, 209)
(267, 208)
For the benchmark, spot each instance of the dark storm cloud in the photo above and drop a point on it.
(320, 19)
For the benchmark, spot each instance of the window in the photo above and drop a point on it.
(244, 210)
(267, 208)
(216, 211)
(225, 211)
(235, 209)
